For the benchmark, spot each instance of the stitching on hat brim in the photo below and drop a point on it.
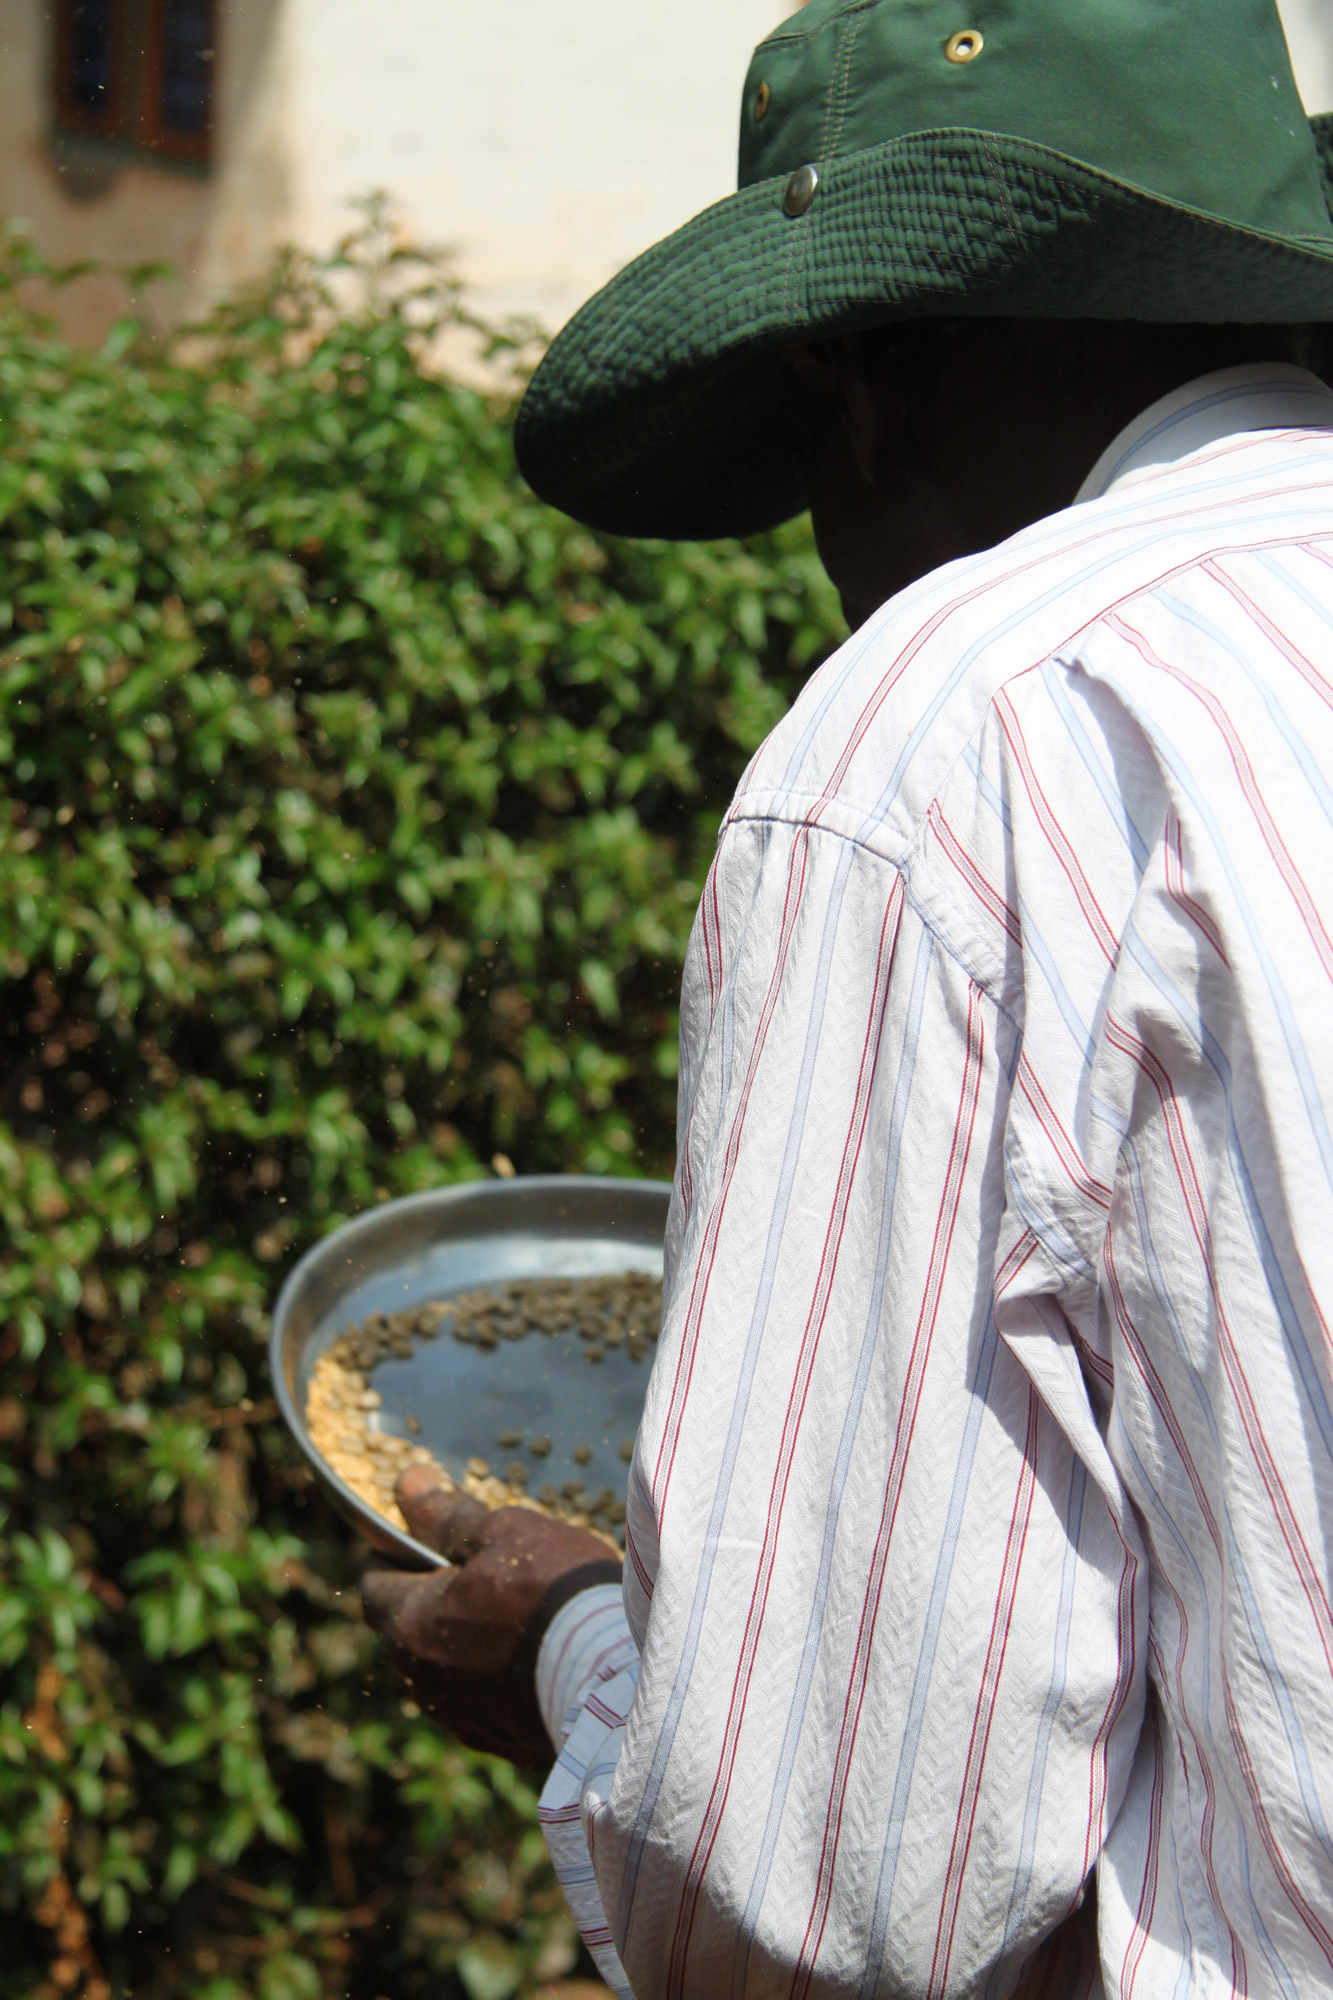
(625, 445)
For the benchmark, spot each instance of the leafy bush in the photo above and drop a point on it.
(353, 813)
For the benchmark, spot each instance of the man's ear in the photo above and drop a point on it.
(846, 377)
(862, 412)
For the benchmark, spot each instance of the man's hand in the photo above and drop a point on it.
(466, 1638)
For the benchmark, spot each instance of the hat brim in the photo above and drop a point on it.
(660, 409)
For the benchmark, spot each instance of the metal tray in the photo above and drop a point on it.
(431, 1246)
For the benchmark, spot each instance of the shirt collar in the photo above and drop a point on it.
(1262, 396)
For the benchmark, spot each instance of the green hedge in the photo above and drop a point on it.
(353, 811)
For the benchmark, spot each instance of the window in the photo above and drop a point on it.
(138, 73)
(181, 57)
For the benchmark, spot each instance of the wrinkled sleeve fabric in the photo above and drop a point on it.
(886, 1620)
(587, 1669)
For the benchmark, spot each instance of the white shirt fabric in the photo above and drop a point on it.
(980, 1518)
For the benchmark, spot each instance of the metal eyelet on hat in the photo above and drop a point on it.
(800, 191)
(763, 97)
(962, 47)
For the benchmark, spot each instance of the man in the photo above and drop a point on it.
(979, 1523)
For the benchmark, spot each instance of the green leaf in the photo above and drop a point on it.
(489, 1970)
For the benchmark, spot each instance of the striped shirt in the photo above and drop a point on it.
(980, 1518)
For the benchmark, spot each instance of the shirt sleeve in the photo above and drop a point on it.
(587, 1669)
(886, 1620)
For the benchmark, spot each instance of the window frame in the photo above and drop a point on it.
(155, 134)
(133, 120)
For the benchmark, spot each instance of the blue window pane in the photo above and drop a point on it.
(90, 54)
(187, 51)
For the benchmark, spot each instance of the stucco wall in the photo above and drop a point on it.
(547, 145)
(1309, 26)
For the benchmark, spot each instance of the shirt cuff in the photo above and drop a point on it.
(587, 1641)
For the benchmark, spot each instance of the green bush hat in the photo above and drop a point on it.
(1060, 159)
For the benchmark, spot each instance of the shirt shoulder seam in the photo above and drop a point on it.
(901, 869)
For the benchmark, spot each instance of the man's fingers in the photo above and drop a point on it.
(441, 1517)
(385, 1594)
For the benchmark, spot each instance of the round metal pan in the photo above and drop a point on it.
(432, 1246)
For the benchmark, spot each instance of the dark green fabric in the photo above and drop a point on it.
(1132, 159)
(1198, 104)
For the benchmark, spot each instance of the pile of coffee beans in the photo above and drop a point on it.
(342, 1408)
(617, 1311)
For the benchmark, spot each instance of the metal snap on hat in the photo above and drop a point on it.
(800, 191)
(1104, 159)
